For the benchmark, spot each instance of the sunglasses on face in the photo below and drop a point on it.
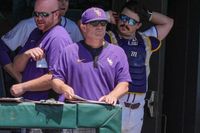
(130, 21)
(43, 14)
(96, 23)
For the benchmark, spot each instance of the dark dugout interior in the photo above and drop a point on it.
(175, 75)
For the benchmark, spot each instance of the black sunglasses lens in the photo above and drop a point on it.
(96, 23)
(40, 14)
(35, 14)
(130, 21)
(44, 14)
(104, 23)
(123, 18)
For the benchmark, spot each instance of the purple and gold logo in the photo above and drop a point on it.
(97, 11)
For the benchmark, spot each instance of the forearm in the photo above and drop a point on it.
(119, 90)
(61, 88)
(39, 84)
(163, 24)
(160, 19)
(58, 86)
(16, 75)
(20, 62)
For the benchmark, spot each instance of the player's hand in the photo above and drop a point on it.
(68, 92)
(36, 53)
(108, 99)
(17, 90)
(113, 17)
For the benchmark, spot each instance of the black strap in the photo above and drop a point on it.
(95, 52)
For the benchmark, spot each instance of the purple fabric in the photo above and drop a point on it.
(93, 14)
(75, 67)
(52, 43)
(4, 57)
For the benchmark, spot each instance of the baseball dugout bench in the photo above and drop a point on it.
(105, 118)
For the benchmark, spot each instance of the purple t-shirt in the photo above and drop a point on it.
(76, 68)
(52, 42)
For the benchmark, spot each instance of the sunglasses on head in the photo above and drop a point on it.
(130, 21)
(43, 14)
(96, 23)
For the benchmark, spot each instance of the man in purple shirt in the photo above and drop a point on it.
(17, 37)
(41, 51)
(93, 69)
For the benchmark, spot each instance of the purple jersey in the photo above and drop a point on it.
(52, 42)
(76, 68)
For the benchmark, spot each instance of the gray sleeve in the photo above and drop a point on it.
(73, 31)
(152, 31)
(19, 34)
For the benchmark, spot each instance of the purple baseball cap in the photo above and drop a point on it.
(93, 14)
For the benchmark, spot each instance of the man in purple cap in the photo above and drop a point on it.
(40, 52)
(93, 69)
(104, 64)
